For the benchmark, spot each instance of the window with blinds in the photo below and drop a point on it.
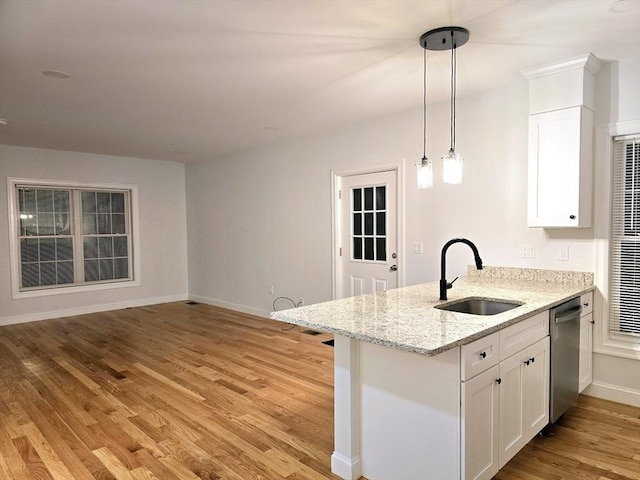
(624, 290)
(70, 236)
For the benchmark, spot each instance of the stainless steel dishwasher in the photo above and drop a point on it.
(565, 356)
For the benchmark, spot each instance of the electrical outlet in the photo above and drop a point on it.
(563, 253)
(528, 251)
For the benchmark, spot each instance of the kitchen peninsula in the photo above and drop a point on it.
(406, 372)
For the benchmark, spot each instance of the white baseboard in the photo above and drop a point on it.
(613, 393)
(105, 307)
(231, 306)
(347, 468)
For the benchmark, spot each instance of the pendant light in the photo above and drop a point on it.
(425, 167)
(447, 38)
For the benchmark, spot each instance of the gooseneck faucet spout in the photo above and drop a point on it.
(444, 285)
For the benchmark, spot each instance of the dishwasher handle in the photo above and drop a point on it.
(568, 315)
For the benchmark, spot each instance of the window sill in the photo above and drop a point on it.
(46, 292)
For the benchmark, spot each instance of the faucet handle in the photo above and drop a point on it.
(450, 284)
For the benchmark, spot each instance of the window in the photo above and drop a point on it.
(624, 305)
(70, 236)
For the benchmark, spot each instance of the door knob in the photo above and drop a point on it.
(393, 268)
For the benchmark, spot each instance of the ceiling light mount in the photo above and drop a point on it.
(443, 38)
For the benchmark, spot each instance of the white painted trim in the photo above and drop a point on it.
(336, 182)
(347, 468)
(613, 393)
(230, 306)
(14, 266)
(589, 62)
(603, 342)
(70, 312)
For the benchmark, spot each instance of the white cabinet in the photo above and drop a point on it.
(560, 168)
(524, 398)
(505, 404)
(480, 418)
(585, 374)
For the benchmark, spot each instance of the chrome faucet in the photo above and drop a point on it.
(444, 285)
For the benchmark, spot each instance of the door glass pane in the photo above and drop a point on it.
(380, 198)
(357, 199)
(368, 223)
(357, 248)
(381, 223)
(381, 249)
(357, 224)
(368, 249)
(368, 198)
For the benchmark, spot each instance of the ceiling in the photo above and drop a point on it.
(193, 80)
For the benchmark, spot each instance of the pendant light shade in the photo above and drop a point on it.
(425, 173)
(452, 168)
(444, 38)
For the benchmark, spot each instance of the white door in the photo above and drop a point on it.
(367, 258)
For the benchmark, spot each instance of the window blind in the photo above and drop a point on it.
(624, 290)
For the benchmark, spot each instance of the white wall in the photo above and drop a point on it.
(263, 217)
(162, 241)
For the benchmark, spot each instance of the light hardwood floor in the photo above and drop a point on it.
(178, 391)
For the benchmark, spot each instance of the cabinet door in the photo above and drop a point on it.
(512, 407)
(480, 410)
(586, 351)
(536, 388)
(559, 193)
(524, 397)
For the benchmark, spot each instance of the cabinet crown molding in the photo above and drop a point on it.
(588, 62)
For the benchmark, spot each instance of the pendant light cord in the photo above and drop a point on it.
(453, 92)
(424, 104)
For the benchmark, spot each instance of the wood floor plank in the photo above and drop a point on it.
(188, 392)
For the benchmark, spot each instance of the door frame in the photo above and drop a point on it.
(336, 231)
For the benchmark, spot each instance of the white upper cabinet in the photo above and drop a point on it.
(560, 166)
(561, 103)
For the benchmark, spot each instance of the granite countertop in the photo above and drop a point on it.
(405, 318)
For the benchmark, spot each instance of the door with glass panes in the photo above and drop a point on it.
(367, 254)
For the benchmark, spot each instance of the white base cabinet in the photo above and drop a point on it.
(507, 404)
(480, 421)
(458, 415)
(524, 398)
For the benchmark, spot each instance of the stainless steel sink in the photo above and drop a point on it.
(480, 306)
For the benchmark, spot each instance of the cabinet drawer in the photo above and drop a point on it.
(586, 301)
(479, 355)
(521, 335)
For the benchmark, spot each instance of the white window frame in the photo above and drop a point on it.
(14, 246)
(605, 341)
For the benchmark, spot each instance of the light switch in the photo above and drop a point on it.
(417, 248)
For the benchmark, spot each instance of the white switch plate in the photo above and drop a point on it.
(417, 248)
(528, 251)
(563, 253)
